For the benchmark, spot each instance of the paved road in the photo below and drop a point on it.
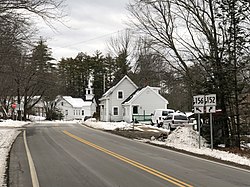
(68, 155)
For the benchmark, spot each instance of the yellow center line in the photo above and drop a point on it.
(131, 162)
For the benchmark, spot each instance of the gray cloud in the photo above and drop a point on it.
(91, 23)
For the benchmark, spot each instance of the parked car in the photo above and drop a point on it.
(174, 120)
(159, 115)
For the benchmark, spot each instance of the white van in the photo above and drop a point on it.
(159, 115)
(174, 120)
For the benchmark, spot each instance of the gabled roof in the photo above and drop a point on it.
(138, 92)
(75, 102)
(132, 95)
(110, 91)
(87, 103)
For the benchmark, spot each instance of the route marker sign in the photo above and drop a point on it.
(198, 109)
(210, 109)
(210, 100)
(199, 100)
(207, 101)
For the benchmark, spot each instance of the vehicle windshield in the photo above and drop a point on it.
(169, 117)
(165, 113)
(180, 117)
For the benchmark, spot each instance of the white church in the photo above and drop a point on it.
(77, 108)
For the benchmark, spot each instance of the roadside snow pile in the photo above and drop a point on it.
(181, 138)
(7, 137)
(108, 125)
(36, 118)
(185, 136)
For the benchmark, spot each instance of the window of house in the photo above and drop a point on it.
(88, 91)
(62, 103)
(135, 109)
(115, 111)
(82, 112)
(120, 95)
(66, 112)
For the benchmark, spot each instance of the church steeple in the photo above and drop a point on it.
(89, 95)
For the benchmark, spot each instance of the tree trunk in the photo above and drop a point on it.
(19, 112)
(221, 80)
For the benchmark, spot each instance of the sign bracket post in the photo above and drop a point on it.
(211, 131)
(199, 128)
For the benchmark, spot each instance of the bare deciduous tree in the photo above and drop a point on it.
(121, 48)
(48, 10)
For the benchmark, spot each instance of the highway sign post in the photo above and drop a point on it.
(205, 103)
(211, 108)
(211, 130)
(199, 103)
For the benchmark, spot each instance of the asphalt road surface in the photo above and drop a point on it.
(71, 155)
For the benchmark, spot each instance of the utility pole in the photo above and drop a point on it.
(104, 82)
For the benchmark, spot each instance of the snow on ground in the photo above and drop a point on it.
(36, 118)
(108, 126)
(11, 124)
(8, 133)
(119, 126)
(187, 139)
(184, 138)
(40, 119)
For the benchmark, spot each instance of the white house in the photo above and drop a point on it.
(125, 100)
(77, 108)
(111, 108)
(142, 103)
(39, 108)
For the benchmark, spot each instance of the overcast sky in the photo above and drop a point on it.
(91, 24)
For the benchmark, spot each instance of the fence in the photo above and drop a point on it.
(144, 117)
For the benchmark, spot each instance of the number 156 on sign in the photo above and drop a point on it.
(199, 100)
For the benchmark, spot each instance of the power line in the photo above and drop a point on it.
(98, 37)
